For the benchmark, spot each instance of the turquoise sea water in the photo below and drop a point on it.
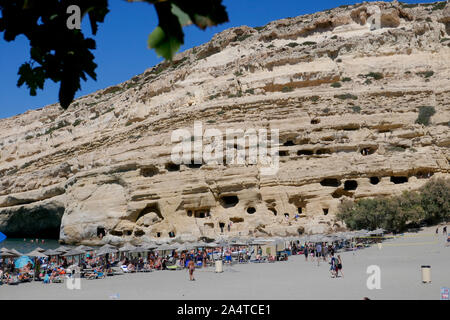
(27, 246)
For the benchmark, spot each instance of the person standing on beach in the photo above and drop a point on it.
(333, 266)
(191, 268)
(339, 266)
(325, 251)
(305, 252)
(318, 252)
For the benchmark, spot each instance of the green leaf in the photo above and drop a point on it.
(164, 45)
(181, 15)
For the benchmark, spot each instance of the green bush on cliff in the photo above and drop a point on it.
(430, 205)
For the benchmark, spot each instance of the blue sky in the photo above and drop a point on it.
(122, 45)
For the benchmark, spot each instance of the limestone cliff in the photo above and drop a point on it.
(344, 87)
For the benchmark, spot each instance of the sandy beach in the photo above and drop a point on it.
(399, 260)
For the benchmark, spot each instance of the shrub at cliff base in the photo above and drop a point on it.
(430, 205)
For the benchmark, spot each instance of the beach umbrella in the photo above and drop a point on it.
(127, 247)
(149, 246)
(139, 249)
(211, 245)
(39, 249)
(36, 254)
(51, 252)
(62, 249)
(22, 262)
(7, 254)
(17, 253)
(164, 247)
(200, 244)
(185, 247)
(73, 252)
(84, 248)
(106, 249)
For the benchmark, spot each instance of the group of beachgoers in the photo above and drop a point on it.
(323, 251)
(92, 264)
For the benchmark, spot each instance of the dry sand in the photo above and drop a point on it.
(399, 259)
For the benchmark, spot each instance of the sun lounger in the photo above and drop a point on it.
(173, 267)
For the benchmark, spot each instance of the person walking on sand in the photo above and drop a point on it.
(333, 266)
(339, 266)
(325, 251)
(191, 268)
(305, 252)
(318, 252)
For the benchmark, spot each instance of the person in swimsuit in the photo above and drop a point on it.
(339, 266)
(333, 266)
(191, 268)
(305, 252)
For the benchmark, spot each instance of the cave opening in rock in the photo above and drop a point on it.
(286, 215)
(424, 174)
(283, 153)
(139, 233)
(325, 211)
(236, 219)
(300, 210)
(323, 151)
(189, 213)
(350, 185)
(368, 151)
(289, 143)
(101, 232)
(374, 180)
(128, 232)
(158, 234)
(202, 214)
(341, 192)
(172, 167)
(251, 210)
(315, 121)
(229, 201)
(41, 221)
(172, 234)
(194, 165)
(116, 233)
(150, 208)
(305, 152)
(330, 182)
(399, 179)
(209, 225)
(274, 211)
(149, 171)
(221, 226)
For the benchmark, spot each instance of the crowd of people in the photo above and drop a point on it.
(93, 266)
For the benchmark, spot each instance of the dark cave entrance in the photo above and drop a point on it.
(399, 179)
(229, 201)
(43, 222)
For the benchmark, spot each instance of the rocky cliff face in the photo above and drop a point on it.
(344, 87)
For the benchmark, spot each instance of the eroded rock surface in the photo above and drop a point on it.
(103, 166)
